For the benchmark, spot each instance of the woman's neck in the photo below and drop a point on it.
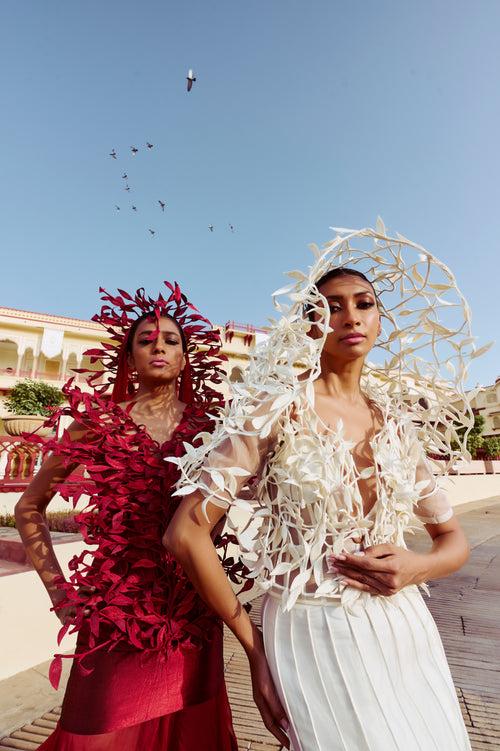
(340, 380)
(156, 398)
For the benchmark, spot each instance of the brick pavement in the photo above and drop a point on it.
(466, 607)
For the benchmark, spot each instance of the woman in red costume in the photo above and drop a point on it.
(148, 666)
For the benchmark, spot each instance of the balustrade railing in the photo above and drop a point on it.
(19, 462)
(12, 372)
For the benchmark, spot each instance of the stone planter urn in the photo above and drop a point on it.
(18, 424)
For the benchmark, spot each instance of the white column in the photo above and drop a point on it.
(79, 359)
(3, 460)
(20, 355)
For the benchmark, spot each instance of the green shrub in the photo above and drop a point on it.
(7, 521)
(475, 444)
(491, 448)
(33, 398)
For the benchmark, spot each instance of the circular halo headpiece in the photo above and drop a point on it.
(426, 342)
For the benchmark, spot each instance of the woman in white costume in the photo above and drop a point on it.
(349, 658)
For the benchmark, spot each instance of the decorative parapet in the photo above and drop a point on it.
(243, 329)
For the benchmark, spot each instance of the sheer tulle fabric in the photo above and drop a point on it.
(433, 506)
(308, 489)
(249, 451)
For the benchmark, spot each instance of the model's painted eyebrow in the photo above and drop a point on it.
(147, 332)
(356, 294)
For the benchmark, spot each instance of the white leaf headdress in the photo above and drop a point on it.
(426, 336)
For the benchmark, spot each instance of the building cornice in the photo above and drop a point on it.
(26, 316)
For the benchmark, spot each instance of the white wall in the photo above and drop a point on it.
(28, 630)
(468, 488)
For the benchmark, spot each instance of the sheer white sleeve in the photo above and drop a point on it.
(433, 505)
(229, 467)
(233, 454)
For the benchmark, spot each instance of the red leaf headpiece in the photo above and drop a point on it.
(202, 344)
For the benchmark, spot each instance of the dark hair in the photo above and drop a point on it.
(333, 274)
(151, 317)
(343, 271)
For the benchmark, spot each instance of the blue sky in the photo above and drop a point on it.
(304, 115)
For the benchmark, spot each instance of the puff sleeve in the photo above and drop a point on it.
(433, 505)
(234, 454)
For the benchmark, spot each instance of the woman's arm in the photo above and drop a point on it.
(31, 521)
(385, 569)
(450, 549)
(188, 538)
(212, 478)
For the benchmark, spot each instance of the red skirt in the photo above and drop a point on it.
(135, 701)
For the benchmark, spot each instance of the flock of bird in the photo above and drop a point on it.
(114, 155)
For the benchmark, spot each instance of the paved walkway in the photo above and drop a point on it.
(466, 607)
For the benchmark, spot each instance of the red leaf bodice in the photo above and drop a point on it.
(142, 599)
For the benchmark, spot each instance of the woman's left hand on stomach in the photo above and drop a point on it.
(380, 569)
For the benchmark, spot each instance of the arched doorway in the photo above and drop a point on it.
(8, 357)
(236, 375)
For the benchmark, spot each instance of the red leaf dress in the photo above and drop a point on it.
(148, 668)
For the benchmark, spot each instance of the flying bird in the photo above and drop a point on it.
(149, 145)
(152, 231)
(211, 227)
(162, 204)
(231, 227)
(134, 150)
(134, 208)
(117, 208)
(127, 187)
(125, 176)
(113, 154)
(190, 79)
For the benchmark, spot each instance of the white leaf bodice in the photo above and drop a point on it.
(305, 485)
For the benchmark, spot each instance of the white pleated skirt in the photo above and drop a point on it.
(376, 680)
